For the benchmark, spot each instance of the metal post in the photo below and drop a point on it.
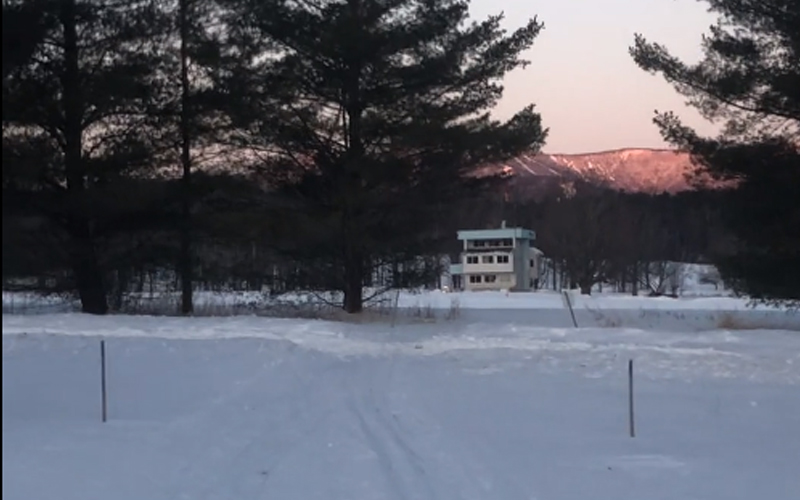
(630, 399)
(103, 395)
(569, 305)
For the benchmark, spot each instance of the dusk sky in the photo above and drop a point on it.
(587, 88)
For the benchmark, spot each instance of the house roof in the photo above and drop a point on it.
(502, 233)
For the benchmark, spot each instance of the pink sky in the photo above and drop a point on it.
(590, 93)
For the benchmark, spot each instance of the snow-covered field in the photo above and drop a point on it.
(504, 400)
(540, 308)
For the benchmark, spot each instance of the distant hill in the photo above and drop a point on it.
(632, 170)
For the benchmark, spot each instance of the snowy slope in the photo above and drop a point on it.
(257, 408)
(631, 169)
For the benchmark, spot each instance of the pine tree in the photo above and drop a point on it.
(75, 127)
(187, 112)
(24, 29)
(375, 113)
(749, 81)
(185, 12)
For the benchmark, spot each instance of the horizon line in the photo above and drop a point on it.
(615, 150)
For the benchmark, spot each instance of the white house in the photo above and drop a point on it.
(497, 259)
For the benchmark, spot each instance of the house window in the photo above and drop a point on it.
(490, 278)
(475, 279)
(487, 259)
(502, 259)
(479, 243)
(472, 259)
(508, 243)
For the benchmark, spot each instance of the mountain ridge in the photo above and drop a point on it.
(615, 150)
(633, 169)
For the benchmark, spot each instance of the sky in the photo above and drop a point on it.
(590, 93)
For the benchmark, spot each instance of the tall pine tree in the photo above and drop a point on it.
(75, 127)
(188, 49)
(24, 29)
(375, 114)
(749, 81)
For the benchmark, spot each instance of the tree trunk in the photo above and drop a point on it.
(86, 268)
(89, 280)
(396, 274)
(556, 270)
(185, 264)
(353, 281)
(585, 286)
(352, 215)
(120, 289)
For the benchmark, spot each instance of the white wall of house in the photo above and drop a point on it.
(522, 265)
(495, 268)
(490, 281)
(497, 259)
(494, 262)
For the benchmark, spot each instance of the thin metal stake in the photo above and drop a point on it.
(630, 398)
(569, 305)
(104, 397)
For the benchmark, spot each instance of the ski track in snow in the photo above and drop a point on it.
(330, 411)
(759, 355)
(400, 464)
(243, 462)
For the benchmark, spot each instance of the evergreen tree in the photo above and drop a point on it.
(24, 29)
(375, 115)
(76, 130)
(183, 116)
(749, 81)
(185, 11)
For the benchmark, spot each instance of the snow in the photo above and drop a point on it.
(551, 300)
(505, 400)
(17, 303)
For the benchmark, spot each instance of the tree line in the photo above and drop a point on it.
(592, 235)
(149, 130)
(318, 144)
